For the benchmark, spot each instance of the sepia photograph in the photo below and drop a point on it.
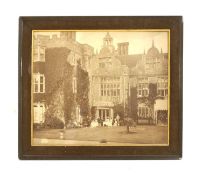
(100, 87)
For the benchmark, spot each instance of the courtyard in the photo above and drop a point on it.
(141, 134)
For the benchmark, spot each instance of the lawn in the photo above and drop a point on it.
(137, 135)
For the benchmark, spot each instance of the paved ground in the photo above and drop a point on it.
(103, 136)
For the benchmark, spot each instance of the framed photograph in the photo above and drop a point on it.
(100, 87)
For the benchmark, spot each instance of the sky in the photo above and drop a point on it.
(138, 40)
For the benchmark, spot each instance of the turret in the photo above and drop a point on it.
(107, 40)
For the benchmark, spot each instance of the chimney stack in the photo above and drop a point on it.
(123, 48)
(70, 35)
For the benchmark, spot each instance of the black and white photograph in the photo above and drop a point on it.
(100, 87)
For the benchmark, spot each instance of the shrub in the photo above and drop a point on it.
(53, 123)
(86, 122)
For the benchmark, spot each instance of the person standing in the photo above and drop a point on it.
(118, 119)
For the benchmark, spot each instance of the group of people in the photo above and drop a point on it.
(107, 122)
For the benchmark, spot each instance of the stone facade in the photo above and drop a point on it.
(109, 80)
(117, 70)
(113, 75)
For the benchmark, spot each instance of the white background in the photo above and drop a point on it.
(192, 143)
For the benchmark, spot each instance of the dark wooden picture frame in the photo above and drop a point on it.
(28, 24)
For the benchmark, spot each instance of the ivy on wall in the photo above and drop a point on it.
(133, 103)
(150, 99)
(69, 101)
(58, 76)
(61, 102)
(83, 91)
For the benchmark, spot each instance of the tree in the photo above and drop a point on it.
(129, 122)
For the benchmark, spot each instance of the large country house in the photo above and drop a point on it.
(71, 82)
